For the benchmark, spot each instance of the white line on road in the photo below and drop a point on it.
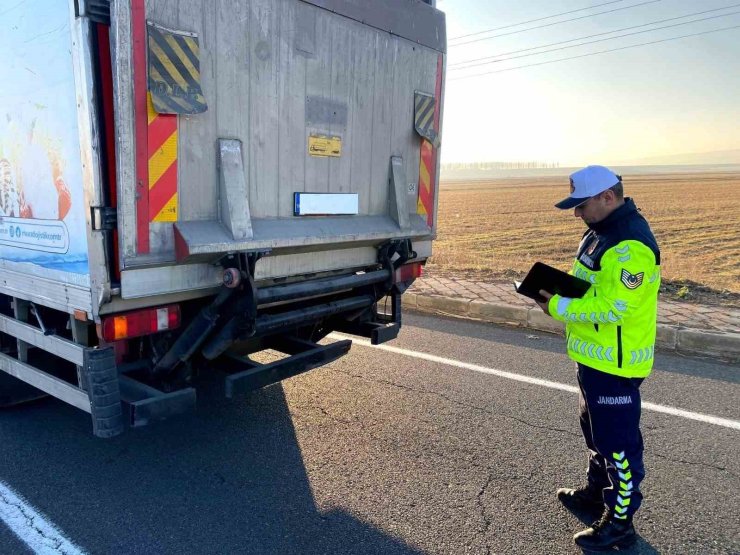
(32, 527)
(707, 418)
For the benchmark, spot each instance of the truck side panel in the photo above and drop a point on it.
(48, 166)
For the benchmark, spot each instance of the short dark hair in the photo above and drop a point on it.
(618, 190)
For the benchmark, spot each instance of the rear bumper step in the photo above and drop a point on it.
(282, 323)
(247, 375)
(377, 332)
(143, 404)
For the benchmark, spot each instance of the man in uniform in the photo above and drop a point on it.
(610, 334)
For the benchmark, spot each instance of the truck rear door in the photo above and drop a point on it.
(287, 126)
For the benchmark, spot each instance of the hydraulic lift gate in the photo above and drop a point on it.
(276, 76)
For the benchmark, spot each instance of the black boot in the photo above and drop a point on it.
(582, 499)
(606, 534)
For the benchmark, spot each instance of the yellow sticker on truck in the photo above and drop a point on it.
(323, 145)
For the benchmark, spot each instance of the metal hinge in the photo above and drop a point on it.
(96, 10)
(104, 218)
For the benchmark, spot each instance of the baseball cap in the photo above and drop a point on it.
(587, 183)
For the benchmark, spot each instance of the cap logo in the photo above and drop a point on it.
(572, 187)
(632, 281)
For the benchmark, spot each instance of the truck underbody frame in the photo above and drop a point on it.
(149, 247)
(289, 318)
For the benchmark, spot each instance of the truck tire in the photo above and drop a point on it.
(15, 392)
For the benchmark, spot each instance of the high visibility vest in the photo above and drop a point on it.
(612, 327)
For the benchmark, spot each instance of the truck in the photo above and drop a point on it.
(187, 184)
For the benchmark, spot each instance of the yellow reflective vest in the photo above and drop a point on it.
(612, 327)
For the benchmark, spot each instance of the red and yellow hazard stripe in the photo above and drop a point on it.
(138, 35)
(427, 166)
(428, 159)
(162, 164)
(156, 143)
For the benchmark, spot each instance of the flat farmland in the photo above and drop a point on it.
(499, 228)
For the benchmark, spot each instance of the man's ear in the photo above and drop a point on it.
(609, 196)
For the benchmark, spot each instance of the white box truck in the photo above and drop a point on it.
(184, 183)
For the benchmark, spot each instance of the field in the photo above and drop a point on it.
(498, 228)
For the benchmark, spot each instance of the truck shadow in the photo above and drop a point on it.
(229, 478)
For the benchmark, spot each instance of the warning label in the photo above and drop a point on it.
(322, 145)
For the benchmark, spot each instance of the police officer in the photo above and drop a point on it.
(610, 334)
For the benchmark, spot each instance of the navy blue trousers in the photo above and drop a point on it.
(610, 420)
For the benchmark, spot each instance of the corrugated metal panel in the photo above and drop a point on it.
(263, 139)
(48, 292)
(274, 72)
(292, 99)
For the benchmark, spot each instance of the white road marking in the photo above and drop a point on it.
(31, 527)
(707, 418)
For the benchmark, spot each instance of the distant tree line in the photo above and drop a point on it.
(499, 165)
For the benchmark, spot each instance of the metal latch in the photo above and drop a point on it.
(104, 218)
(97, 10)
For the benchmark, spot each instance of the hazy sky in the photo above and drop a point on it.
(674, 97)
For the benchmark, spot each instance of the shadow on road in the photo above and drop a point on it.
(642, 547)
(229, 478)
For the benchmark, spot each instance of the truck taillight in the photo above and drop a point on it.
(408, 272)
(141, 322)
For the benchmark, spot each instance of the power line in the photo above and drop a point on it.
(554, 23)
(454, 66)
(533, 20)
(591, 42)
(594, 53)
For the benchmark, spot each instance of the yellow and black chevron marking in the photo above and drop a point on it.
(424, 105)
(174, 71)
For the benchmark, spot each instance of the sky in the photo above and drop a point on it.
(658, 100)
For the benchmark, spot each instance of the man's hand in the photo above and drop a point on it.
(544, 305)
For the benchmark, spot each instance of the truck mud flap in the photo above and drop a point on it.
(100, 377)
(247, 375)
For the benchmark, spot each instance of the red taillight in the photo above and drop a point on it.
(408, 272)
(141, 322)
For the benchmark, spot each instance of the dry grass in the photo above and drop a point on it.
(500, 227)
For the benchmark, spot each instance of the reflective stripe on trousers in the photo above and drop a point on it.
(610, 421)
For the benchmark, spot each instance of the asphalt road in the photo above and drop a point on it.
(381, 452)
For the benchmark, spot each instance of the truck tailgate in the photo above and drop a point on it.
(299, 99)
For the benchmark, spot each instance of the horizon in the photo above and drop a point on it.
(470, 173)
(728, 157)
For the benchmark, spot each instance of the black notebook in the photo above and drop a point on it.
(552, 280)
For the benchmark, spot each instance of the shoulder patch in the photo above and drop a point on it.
(632, 281)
